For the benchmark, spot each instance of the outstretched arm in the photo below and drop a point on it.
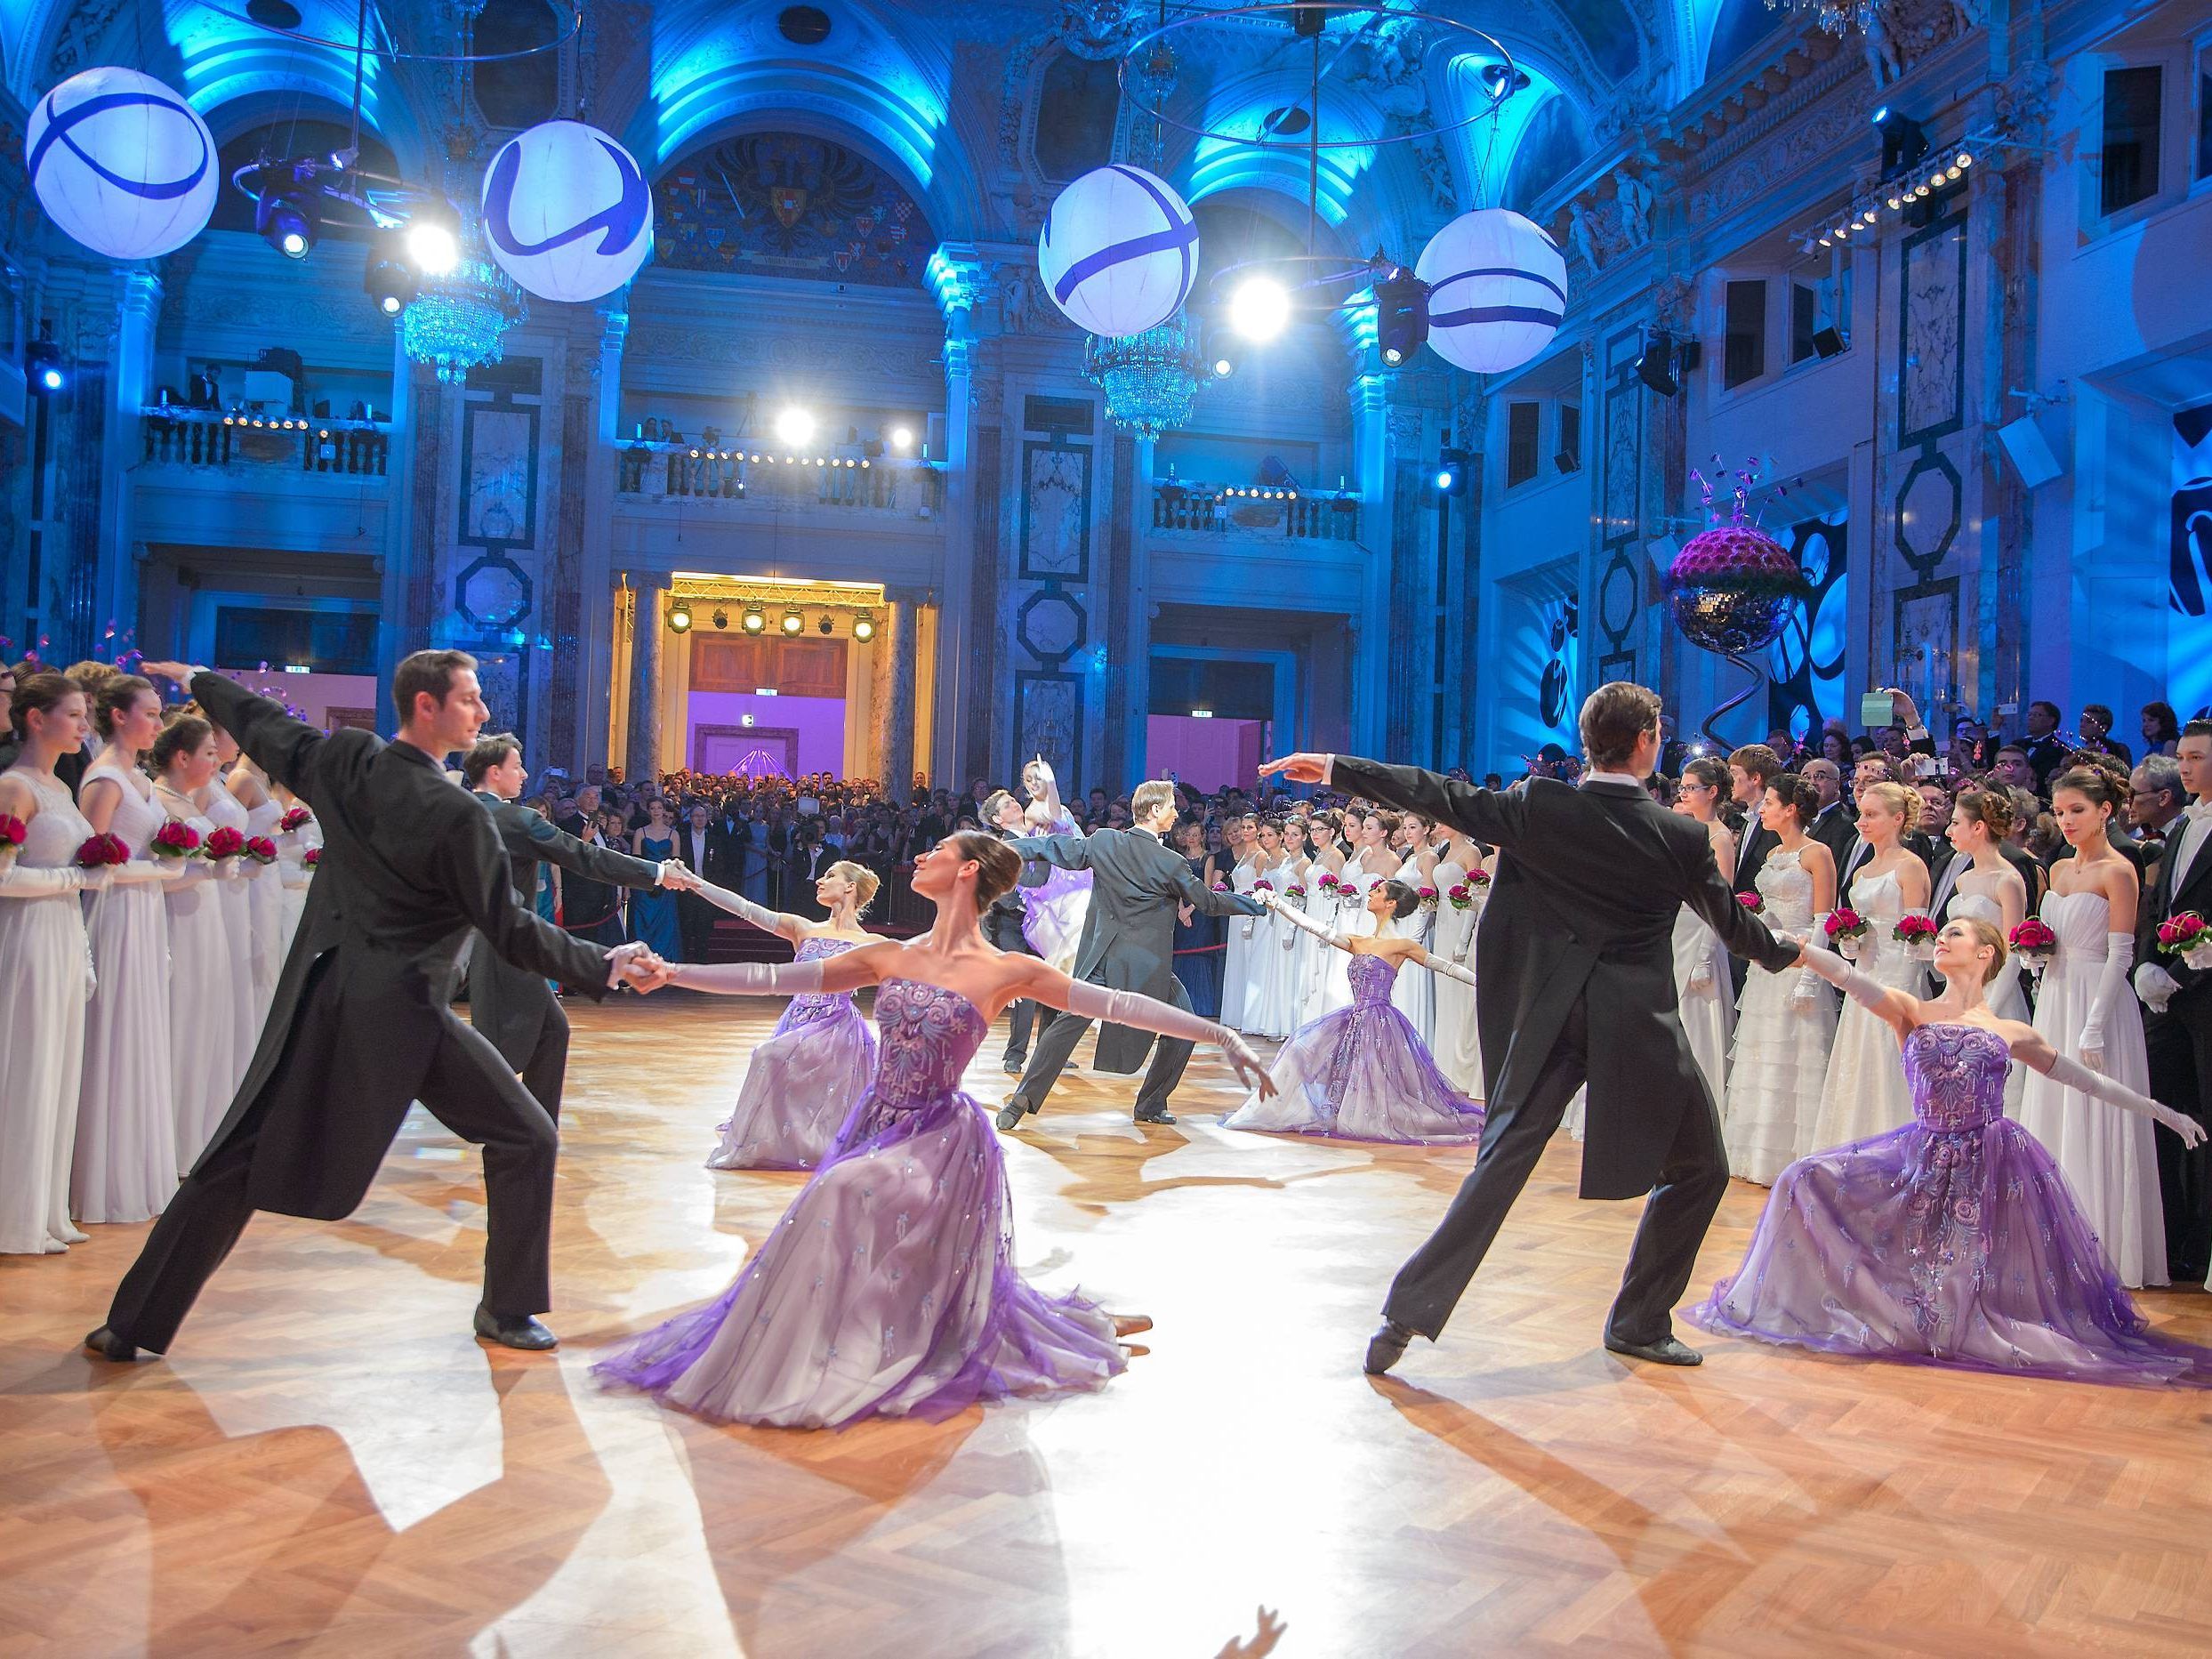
(1458, 970)
(1297, 918)
(2034, 1051)
(595, 863)
(1482, 815)
(284, 747)
(760, 917)
(476, 876)
(1894, 1009)
(1070, 852)
(1046, 984)
(847, 970)
(1192, 891)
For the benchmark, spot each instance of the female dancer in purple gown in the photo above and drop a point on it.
(1954, 1240)
(889, 1287)
(1363, 1073)
(804, 1079)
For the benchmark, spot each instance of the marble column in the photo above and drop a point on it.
(583, 621)
(114, 595)
(897, 646)
(642, 753)
(1370, 627)
(968, 626)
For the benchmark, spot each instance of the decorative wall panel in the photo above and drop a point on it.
(790, 205)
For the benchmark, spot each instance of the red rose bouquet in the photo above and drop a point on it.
(1461, 896)
(1328, 884)
(1916, 933)
(2187, 937)
(1427, 895)
(11, 833)
(1296, 893)
(175, 839)
(309, 859)
(2034, 943)
(1845, 927)
(103, 852)
(261, 850)
(224, 844)
(1752, 902)
(1479, 881)
(295, 820)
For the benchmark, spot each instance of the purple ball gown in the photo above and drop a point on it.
(1361, 1073)
(802, 1082)
(1953, 1240)
(889, 1288)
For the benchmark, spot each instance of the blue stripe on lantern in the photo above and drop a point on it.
(1500, 271)
(1179, 235)
(57, 131)
(1497, 314)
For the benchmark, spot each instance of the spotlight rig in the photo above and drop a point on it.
(294, 197)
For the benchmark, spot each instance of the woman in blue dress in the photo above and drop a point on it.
(654, 918)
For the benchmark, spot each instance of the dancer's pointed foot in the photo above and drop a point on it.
(1386, 1346)
(1131, 1324)
(520, 1330)
(105, 1344)
(1668, 1350)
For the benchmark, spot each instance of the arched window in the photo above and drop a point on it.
(517, 92)
(1076, 108)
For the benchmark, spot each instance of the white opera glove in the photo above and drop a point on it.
(16, 881)
(1862, 988)
(1451, 970)
(675, 872)
(2155, 986)
(738, 906)
(1149, 1013)
(1808, 990)
(135, 872)
(1299, 919)
(2120, 955)
(749, 978)
(1702, 976)
(2071, 1074)
(222, 869)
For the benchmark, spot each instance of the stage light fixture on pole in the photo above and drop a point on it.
(680, 617)
(42, 368)
(863, 627)
(391, 282)
(721, 619)
(1401, 312)
(755, 619)
(793, 623)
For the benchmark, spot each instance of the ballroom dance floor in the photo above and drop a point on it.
(329, 1464)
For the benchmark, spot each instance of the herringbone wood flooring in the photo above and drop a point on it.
(327, 1463)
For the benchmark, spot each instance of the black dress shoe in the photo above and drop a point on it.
(1162, 1115)
(1668, 1350)
(1011, 1113)
(521, 1330)
(1386, 1346)
(1014, 1067)
(105, 1344)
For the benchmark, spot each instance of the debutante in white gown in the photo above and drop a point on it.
(1458, 1049)
(2007, 998)
(224, 812)
(294, 875)
(1306, 950)
(1866, 1094)
(1707, 1005)
(125, 1166)
(265, 906)
(2106, 1154)
(1414, 995)
(1236, 988)
(1269, 963)
(1332, 987)
(45, 976)
(1785, 1027)
(204, 982)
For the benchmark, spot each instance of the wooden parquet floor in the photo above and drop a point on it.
(329, 1464)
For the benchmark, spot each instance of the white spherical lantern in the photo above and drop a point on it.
(1497, 290)
(122, 163)
(1119, 252)
(567, 212)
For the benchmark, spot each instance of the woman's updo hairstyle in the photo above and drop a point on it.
(180, 735)
(1709, 770)
(113, 699)
(41, 693)
(1987, 933)
(865, 881)
(1991, 808)
(997, 865)
(2094, 784)
(1906, 803)
(1403, 900)
(1801, 796)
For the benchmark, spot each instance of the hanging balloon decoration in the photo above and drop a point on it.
(1498, 290)
(1119, 252)
(567, 212)
(122, 163)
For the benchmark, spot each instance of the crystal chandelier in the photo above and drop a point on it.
(458, 321)
(1150, 380)
(1836, 17)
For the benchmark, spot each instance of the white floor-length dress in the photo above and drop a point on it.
(1414, 995)
(224, 812)
(204, 982)
(1785, 1025)
(1865, 1093)
(1458, 1051)
(1707, 1005)
(265, 908)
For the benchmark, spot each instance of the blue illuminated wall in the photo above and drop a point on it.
(2189, 630)
(1806, 665)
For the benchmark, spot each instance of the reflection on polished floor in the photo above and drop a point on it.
(329, 1461)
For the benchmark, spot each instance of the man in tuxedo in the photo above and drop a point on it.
(1578, 988)
(728, 846)
(1835, 826)
(360, 1025)
(2045, 750)
(2156, 800)
(2177, 1013)
(512, 1006)
(694, 850)
(1750, 769)
(1128, 944)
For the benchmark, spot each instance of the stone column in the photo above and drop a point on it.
(641, 751)
(130, 381)
(1370, 627)
(897, 647)
(584, 620)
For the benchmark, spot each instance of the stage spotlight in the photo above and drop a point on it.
(721, 619)
(434, 240)
(42, 368)
(794, 427)
(1665, 361)
(755, 621)
(1903, 143)
(391, 282)
(1260, 309)
(863, 627)
(1962, 161)
(286, 218)
(902, 438)
(1451, 468)
(794, 622)
(1401, 315)
(680, 617)
(1494, 82)
(823, 623)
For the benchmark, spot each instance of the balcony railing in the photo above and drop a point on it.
(678, 472)
(209, 438)
(1296, 514)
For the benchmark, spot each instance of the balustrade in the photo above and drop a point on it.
(1302, 515)
(206, 438)
(675, 473)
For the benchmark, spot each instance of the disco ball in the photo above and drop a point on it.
(1731, 589)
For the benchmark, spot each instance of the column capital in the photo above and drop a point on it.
(961, 280)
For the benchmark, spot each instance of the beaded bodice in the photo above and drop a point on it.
(1957, 1075)
(1787, 887)
(817, 1005)
(1372, 979)
(928, 1035)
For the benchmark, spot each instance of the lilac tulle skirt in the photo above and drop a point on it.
(1360, 1074)
(887, 1289)
(1961, 1248)
(800, 1086)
